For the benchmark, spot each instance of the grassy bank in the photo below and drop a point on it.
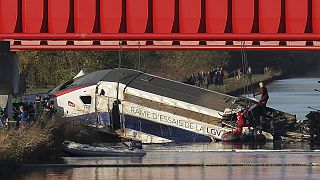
(41, 141)
(34, 142)
(235, 87)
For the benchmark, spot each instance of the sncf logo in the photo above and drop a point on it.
(71, 104)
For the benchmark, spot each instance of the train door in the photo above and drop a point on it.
(102, 107)
(103, 111)
(108, 108)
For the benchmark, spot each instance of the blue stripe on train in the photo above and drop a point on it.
(169, 132)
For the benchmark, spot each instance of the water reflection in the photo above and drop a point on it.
(190, 154)
(179, 173)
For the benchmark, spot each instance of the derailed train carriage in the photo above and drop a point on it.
(152, 109)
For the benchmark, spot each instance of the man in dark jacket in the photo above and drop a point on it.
(264, 95)
(257, 111)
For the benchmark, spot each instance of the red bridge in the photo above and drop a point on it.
(160, 24)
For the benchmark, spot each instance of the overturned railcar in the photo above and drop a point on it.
(145, 107)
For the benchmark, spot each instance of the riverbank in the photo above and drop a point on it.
(235, 87)
(36, 142)
(42, 141)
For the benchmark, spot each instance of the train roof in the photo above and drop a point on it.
(154, 84)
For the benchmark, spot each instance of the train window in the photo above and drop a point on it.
(86, 99)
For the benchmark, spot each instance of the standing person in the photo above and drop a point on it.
(202, 79)
(198, 79)
(47, 109)
(1, 117)
(264, 95)
(238, 74)
(193, 79)
(258, 110)
(265, 71)
(6, 121)
(249, 72)
(210, 76)
(23, 115)
(189, 81)
(218, 76)
(38, 104)
(215, 77)
(206, 81)
(221, 77)
(1, 122)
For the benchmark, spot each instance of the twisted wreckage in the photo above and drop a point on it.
(152, 109)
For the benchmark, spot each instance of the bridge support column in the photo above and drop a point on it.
(9, 76)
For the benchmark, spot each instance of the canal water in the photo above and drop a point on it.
(290, 95)
(295, 96)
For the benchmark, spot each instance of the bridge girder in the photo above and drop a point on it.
(225, 22)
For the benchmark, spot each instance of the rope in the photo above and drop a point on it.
(243, 61)
(246, 80)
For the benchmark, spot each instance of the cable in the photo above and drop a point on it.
(139, 68)
(243, 59)
(119, 66)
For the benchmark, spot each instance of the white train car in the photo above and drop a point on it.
(150, 108)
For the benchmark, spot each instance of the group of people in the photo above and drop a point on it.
(202, 79)
(239, 72)
(26, 112)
